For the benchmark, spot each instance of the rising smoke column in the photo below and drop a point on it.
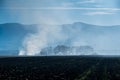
(46, 35)
(34, 12)
(49, 32)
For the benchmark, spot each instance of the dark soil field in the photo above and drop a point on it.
(60, 68)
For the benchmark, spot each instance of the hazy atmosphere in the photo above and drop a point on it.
(59, 27)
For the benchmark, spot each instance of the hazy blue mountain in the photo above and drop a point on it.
(9, 52)
(99, 37)
(13, 34)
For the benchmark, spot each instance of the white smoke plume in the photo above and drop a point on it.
(46, 35)
(49, 33)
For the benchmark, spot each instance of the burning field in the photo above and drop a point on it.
(60, 68)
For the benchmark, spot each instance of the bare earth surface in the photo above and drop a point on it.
(60, 68)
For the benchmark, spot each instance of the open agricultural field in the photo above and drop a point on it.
(60, 68)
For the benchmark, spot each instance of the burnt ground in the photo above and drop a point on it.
(60, 68)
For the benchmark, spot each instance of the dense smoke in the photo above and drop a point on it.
(46, 35)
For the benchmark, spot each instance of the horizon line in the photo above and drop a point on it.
(58, 24)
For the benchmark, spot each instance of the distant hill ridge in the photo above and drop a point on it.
(13, 34)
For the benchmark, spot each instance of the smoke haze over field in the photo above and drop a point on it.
(46, 35)
(101, 38)
(59, 22)
(30, 41)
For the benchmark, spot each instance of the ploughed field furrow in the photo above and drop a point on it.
(113, 69)
(60, 68)
(99, 72)
(87, 74)
(107, 69)
(44, 68)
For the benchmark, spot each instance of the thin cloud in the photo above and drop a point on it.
(87, 1)
(100, 13)
(78, 3)
(64, 8)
